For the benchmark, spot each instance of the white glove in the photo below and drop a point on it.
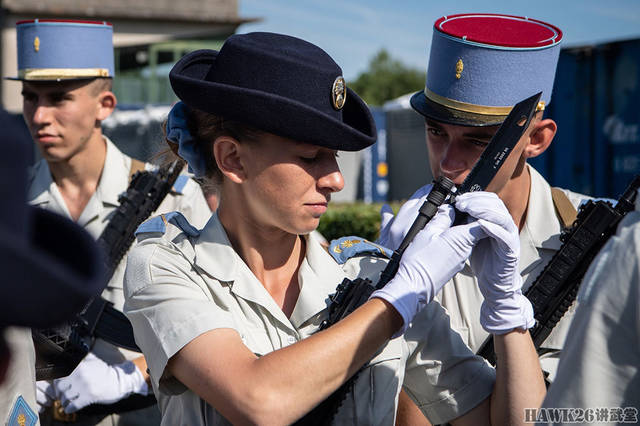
(393, 229)
(96, 382)
(494, 261)
(45, 394)
(436, 254)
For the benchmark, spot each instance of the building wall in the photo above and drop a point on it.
(597, 147)
(126, 33)
(190, 10)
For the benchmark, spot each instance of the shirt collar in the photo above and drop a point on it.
(113, 180)
(318, 276)
(542, 225)
(115, 175)
(39, 193)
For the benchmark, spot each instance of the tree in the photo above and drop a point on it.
(387, 79)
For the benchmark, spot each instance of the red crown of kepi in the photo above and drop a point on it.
(500, 30)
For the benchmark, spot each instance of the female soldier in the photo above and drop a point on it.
(227, 316)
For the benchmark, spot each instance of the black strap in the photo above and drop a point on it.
(113, 326)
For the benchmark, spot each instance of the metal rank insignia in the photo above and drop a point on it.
(36, 44)
(345, 244)
(339, 93)
(60, 415)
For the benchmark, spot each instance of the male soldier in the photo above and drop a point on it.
(480, 66)
(66, 69)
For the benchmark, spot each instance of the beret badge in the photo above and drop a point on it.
(36, 44)
(339, 93)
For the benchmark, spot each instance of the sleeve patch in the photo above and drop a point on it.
(345, 248)
(22, 414)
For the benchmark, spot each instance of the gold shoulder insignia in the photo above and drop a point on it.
(349, 243)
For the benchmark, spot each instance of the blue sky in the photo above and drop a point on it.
(352, 31)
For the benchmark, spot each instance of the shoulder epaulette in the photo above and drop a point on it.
(345, 248)
(159, 224)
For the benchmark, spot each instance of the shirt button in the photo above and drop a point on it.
(291, 340)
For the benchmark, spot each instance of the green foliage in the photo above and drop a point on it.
(386, 79)
(361, 219)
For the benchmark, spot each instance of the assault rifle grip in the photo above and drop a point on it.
(556, 288)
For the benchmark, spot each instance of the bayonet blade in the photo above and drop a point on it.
(500, 146)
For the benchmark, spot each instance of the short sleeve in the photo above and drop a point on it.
(443, 376)
(169, 304)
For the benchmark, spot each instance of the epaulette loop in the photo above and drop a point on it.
(345, 248)
(159, 224)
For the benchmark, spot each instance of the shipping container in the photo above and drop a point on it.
(406, 149)
(597, 148)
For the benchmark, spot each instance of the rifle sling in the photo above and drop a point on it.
(136, 166)
(111, 325)
(564, 209)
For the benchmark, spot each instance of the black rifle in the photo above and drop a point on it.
(60, 349)
(350, 294)
(556, 288)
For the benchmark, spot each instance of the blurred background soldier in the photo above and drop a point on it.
(50, 266)
(66, 69)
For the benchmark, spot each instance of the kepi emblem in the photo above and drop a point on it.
(339, 93)
(36, 44)
(459, 68)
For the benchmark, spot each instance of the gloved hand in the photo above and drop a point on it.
(495, 263)
(436, 254)
(96, 382)
(393, 229)
(45, 394)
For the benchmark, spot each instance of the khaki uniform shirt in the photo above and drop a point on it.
(539, 241)
(599, 372)
(43, 192)
(18, 390)
(179, 285)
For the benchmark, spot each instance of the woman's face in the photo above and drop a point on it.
(289, 184)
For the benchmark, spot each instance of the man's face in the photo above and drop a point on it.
(61, 116)
(454, 150)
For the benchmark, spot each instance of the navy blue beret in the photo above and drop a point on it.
(279, 84)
